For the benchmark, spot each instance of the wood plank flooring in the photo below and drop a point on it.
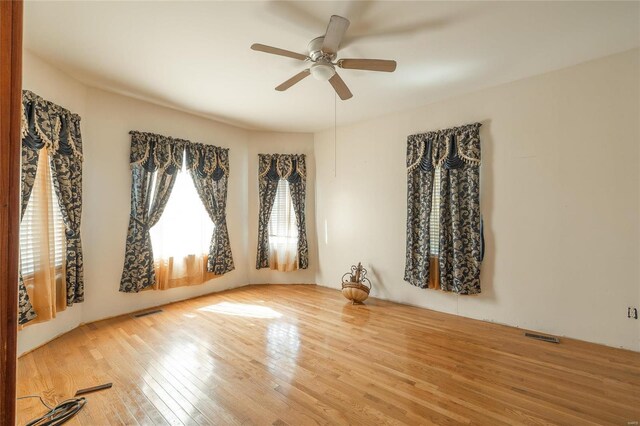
(300, 355)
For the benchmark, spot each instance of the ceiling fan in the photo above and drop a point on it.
(323, 53)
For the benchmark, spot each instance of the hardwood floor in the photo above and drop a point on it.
(299, 355)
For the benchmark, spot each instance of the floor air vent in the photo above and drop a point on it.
(550, 339)
(144, 314)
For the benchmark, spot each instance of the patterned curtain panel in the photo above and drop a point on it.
(267, 189)
(155, 162)
(457, 152)
(419, 197)
(209, 169)
(272, 168)
(45, 124)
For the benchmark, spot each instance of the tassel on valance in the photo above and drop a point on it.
(154, 152)
(47, 125)
(450, 148)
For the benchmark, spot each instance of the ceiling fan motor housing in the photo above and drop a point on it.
(315, 50)
(322, 68)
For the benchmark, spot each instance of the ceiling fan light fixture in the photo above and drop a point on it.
(322, 71)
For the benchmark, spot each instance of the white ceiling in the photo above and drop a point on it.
(195, 56)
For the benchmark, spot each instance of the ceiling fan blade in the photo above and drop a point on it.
(368, 64)
(276, 51)
(340, 87)
(335, 31)
(293, 80)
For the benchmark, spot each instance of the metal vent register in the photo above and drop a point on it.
(550, 339)
(144, 314)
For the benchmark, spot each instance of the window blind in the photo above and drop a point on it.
(41, 209)
(434, 219)
(282, 223)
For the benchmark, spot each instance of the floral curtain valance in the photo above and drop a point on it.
(291, 167)
(456, 153)
(154, 152)
(449, 148)
(163, 156)
(272, 168)
(45, 124)
(208, 161)
(50, 126)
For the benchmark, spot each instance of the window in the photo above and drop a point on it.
(42, 246)
(42, 228)
(434, 219)
(283, 231)
(181, 238)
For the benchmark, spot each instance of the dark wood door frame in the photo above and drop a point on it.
(10, 110)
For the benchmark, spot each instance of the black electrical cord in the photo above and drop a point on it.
(58, 414)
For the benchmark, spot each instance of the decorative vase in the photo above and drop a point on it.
(353, 284)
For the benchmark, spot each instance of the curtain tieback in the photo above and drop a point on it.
(70, 233)
(141, 223)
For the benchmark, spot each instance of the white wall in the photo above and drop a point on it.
(107, 194)
(281, 143)
(559, 194)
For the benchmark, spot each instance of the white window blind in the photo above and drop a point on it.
(434, 219)
(282, 224)
(42, 211)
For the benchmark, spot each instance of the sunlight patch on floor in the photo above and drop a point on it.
(242, 310)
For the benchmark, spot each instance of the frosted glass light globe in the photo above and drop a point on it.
(322, 71)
